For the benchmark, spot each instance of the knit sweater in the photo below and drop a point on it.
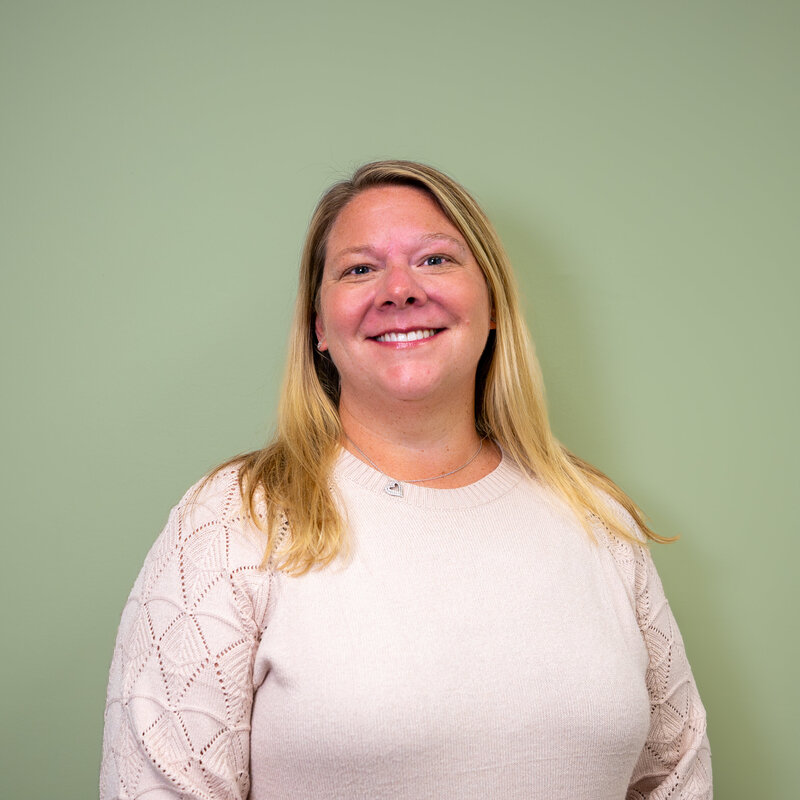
(474, 643)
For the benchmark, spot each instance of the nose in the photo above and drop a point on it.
(399, 287)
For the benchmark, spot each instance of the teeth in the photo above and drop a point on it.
(409, 336)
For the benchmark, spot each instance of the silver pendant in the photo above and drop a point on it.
(394, 488)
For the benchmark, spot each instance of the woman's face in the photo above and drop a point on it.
(403, 307)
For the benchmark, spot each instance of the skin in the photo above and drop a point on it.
(395, 264)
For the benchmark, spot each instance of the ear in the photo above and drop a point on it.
(322, 345)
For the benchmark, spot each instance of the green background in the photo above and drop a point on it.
(159, 165)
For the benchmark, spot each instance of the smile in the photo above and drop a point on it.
(406, 336)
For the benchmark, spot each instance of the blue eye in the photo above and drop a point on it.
(434, 261)
(361, 269)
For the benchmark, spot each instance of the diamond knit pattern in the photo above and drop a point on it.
(181, 685)
(675, 763)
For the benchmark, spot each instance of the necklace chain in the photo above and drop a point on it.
(394, 485)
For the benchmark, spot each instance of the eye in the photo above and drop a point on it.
(361, 269)
(435, 261)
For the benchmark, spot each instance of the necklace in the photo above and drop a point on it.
(395, 487)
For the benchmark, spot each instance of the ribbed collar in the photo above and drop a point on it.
(500, 480)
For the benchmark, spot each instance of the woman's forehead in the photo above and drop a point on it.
(386, 214)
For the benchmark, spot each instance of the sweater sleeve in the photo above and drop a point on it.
(675, 763)
(177, 719)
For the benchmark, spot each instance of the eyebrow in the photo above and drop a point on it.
(428, 237)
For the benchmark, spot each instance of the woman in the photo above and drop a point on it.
(414, 591)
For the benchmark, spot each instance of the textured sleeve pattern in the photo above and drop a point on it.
(675, 763)
(177, 720)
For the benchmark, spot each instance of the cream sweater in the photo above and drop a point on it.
(474, 644)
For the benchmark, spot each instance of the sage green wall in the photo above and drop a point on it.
(159, 164)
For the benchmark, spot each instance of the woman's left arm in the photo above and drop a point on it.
(675, 762)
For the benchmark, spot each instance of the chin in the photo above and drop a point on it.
(421, 390)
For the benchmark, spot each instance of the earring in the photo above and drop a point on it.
(319, 345)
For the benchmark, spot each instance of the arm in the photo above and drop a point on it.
(177, 720)
(675, 762)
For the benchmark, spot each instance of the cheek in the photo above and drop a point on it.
(338, 315)
(477, 306)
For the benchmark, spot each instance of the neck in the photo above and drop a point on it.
(418, 444)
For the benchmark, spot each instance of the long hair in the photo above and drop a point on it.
(289, 479)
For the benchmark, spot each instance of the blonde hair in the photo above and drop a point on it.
(292, 473)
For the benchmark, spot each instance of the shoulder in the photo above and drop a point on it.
(209, 536)
(215, 502)
(216, 496)
(635, 566)
(635, 539)
(629, 554)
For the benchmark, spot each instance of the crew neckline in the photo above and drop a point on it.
(500, 480)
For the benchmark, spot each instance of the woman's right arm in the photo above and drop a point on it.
(177, 720)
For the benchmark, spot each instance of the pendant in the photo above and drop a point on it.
(394, 489)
